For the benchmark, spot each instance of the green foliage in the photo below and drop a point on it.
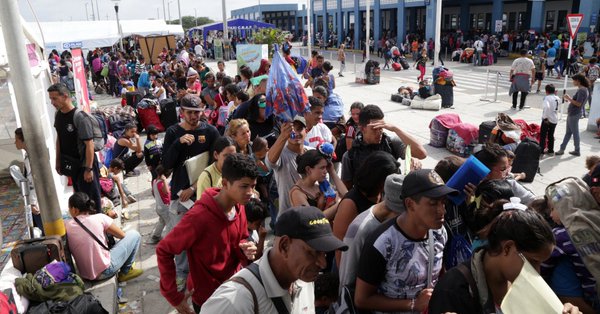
(269, 36)
(190, 21)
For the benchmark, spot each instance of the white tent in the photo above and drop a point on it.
(92, 34)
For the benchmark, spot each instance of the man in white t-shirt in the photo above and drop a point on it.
(478, 45)
(316, 131)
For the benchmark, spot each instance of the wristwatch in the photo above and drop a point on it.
(88, 169)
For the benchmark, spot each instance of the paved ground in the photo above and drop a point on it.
(143, 293)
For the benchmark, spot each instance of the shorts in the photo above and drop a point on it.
(539, 76)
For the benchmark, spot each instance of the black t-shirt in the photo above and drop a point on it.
(175, 153)
(360, 200)
(67, 133)
(451, 294)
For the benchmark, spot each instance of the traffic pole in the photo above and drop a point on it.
(33, 122)
(566, 77)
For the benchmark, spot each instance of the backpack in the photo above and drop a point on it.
(580, 214)
(102, 124)
(593, 72)
(98, 135)
(537, 61)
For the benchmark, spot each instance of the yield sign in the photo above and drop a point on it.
(574, 21)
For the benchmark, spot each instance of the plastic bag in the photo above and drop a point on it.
(286, 97)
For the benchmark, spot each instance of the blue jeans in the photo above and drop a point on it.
(176, 212)
(572, 129)
(122, 254)
(559, 67)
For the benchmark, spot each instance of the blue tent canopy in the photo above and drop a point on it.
(233, 24)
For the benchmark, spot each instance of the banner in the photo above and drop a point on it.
(80, 81)
(251, 55)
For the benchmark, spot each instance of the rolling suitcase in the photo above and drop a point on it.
(485, 131)
(29, 256)
(168, 112)
(404, 63)
(396, 66)
(527, 159)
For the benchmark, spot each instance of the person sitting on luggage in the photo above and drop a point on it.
(516, 176)
(129, 140)
(86, 234)
(424, 89)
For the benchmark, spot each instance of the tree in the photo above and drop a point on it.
(269, 36)
(190, 21)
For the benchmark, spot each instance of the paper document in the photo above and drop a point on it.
(530, 294)
(187, 204)
(195, 165)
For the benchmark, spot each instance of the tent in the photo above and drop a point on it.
(92, 34)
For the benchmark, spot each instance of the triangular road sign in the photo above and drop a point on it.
(574, 21)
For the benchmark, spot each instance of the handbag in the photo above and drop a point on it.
(69, 166)
(109, 238)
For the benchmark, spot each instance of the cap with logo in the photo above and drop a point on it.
(191, 102)
(308, 223)
(425, 182)
(300, 119)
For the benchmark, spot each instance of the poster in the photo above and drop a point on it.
(218, 48)
(498, 26)
(251, 55)
(32, 55)
(80, 81)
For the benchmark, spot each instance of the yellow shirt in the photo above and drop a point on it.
(209, 178)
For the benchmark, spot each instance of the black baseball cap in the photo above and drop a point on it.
(425, 182)
(308, 223)
(191, 102)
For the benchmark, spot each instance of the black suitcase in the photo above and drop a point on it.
(485, 131)
(397, 98)
(168, 112)
(527, 159)
(447, 93)
(404, 63)
(132, 98)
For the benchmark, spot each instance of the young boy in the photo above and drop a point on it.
(115, 173)
(549, 119)
(214, 234)
(162, 199)
(256, 214)
(221, 67)
(152, 150)
(517, 176)
(539, 61)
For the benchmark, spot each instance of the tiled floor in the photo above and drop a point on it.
(12, 217)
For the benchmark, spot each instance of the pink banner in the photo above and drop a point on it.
(80, 81)
(31, 55)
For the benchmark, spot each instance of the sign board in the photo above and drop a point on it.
(152, 46)
(498, 26)
(594, 19)
(80, 81)
(71, 45)
(251, 55)
(574, 21)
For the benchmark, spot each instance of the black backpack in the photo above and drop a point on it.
(527, 159)
(99, 136)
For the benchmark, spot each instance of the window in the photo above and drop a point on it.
(454, 21)
(346, 4)
(480, 20)
(285, 13)
(473, 18)
(562, 20)
(521, 21)
(549, 21)
(488, 21)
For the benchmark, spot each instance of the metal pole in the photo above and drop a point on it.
(225, 32)
(93, 11)
(446, 55)
(169, 11)
(368, 29)
(33, 128)
(487, 80)
(354, 61)
(566, 76)
(179, 9)
(97, 11)
(497, 81)
(259, 12)
(308, 29)
(87, 15)
(438, 32)
(196, 16)
(164, 11)
(119, 27)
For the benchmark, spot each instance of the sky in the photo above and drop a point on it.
(66, 10)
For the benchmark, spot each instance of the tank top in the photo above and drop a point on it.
(316, 200)
(360, 200)
(119, 151)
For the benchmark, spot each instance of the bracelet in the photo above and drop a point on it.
(412, 304)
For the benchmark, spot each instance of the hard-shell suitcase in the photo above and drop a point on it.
(527, 159)
(168, 112)
(396, 66)
(485, 131)
(29, 256)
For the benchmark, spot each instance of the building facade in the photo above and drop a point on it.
(340, 19)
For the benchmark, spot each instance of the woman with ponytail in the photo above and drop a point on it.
(86, 235)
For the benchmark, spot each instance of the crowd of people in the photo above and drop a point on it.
(352, 232)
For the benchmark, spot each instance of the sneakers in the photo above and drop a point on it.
(575, 153)
(154, 241)
(131, 199)
(560, 152)
(132, 273)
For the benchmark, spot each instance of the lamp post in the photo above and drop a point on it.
(196, 16)
(179, 9)
(169, 11)
(87, 16)
(438, 33)
(368, 29)
(308, 29)
(118, 25)
(164, 10)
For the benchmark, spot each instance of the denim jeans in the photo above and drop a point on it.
(181, 261)
(122, 254)
(559, 67)
(572, 129)
(163, 219)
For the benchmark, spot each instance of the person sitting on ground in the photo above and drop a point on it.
(129, 140)
(372, 138)
(396, 252)
(302, 240)
(115, 173)
(313, 167)
(256, 213)
(86, 234)
(515, 176)
(210, 177)
(515, 237)
(424, 89)
(216, 223)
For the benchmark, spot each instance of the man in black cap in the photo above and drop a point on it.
(189, 138)
(394, 274)
(281, 281)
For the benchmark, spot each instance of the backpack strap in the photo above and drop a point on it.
(209, 177)
(278, 302)
(244, 283)
(466, 272)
